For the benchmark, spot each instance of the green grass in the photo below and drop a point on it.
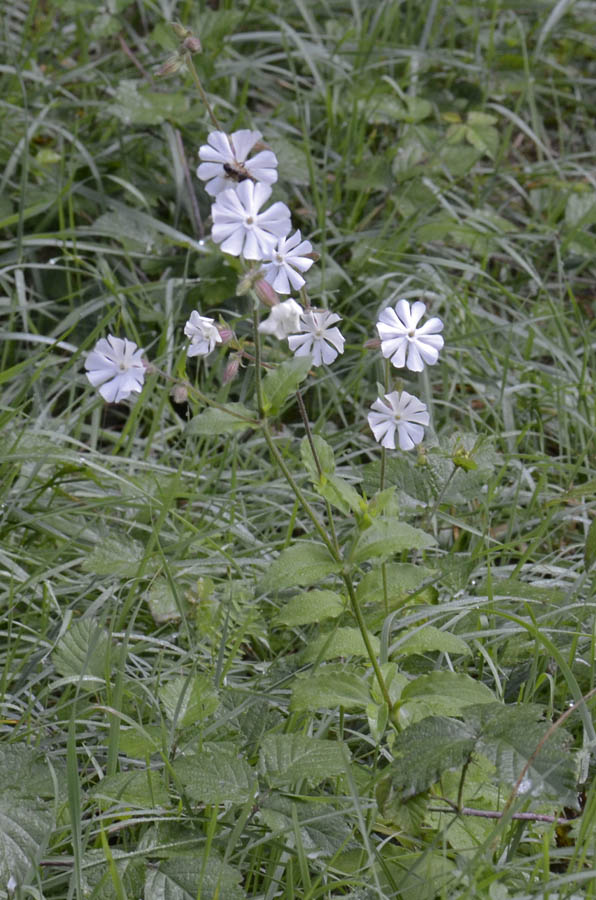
(165, 731)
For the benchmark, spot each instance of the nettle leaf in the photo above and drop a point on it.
(186, 877)
(324, 828)
(97, 878)
(510, 735)
(286, 759)
(427, 749)
(214, 775)
(82, 650)
(21, 765)
(213, 421)
(142, 788)
(117, 556)
(281, 382)
(324, 454)
(341, 642)
(441, 693)
(388, 536)
(302, 564)
(163, 604)
(25, 828)
(187, 701)
(329, 689)
(310, 606)
(428, 639)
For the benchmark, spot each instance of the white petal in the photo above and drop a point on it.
(242, 142)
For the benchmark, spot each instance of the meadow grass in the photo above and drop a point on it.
(162, 734)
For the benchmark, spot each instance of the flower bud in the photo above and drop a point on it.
(231, 370)
(172, 65)
(248, 281)
(266, 293)
(226, 334)
(179, 393)
(192, 44)
(373, 344)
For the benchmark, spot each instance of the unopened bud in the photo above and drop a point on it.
(179, 393)
(172, 65)
(373, 344)
(226, 334)
(248, 281)
(266, 293)
(181, 31)
(192, 44)
(231, 370)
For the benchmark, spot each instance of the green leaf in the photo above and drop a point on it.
(140, 788)
(441, 693)
(214, 775)
(21, 765)
(590, 546)
(117, 556)
(388, 536)
(82, 651)
(428, 639)
(212, 421)
(302, 564)
(402, 579)
(310, 606)
(427, 749)
(103, 880)
(186, 877)
(510, 735)
(281, 382)
(329, 689)
(286, 759)
(135, 106)
(341, 494)
(324, 829)
(188, 701)
(324, 454)
(340, 642)
(25, 828)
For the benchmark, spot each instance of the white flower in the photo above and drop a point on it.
(403, 412)
(282, 320)
(287, 261)
(318, 337)
(116, 367)
(203, 334)
(404, 342)
(239, 226)
(225, 164)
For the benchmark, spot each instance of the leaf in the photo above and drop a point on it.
(144, 789)
(428, 639)
(328, 690)
(441, 693)
(21, 765)
(281, 382)
(117, 556)
(427, 749)
(341, 494)
(310, 606)
(302, 564)
(341, 642)
(188, 701)
(510, 735)
(25, 828)
(98, 880)
(286, 759)
(214, 775)
(212, 421)
(325, 456)
(590, 546)
(324, 828)
(186, 877)
(163, 605)
(388, 536)
(82, 650)
(402, 579)
(143, 107)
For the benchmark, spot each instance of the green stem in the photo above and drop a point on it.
(199, 86)
(364, 632)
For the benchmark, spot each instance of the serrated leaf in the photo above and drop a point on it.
(428, 639)
(324, 829)
(286, 759)
(212, 421)
(214, 775)
(82, 650)
(188, 701)
(302, 564)
(117, 556)
(510, 735)
(163, 604)
(388, 536)
(186, 877)
(25, 828)
(97, 879)
(23, 766)
(325, 456)
(590, 546)
(427, 749)
(140, 788)
(281, 382)
(328, 690)
(310, 606)
(345, 641)
(140, 744)
(441, 693)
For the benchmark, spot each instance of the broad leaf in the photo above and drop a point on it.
(98, 877)
(428, 639)
(186, 877)
(427, 749)
(286, 759)
(187, 701)
(283, 381)
(25, 828)
(328, 690)
(82, 650)
(441, 693)
(324, 454)
(310, 606)
(212, 421)
(323, 827)
(214, 775)
(401, 579)
(117, 556)
(345, 641)
(341, 494)
(388, 536)
(302, 564)
(22, 766)
(144, 789)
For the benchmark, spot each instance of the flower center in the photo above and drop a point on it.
(249, 221)
(279, 258)
(412, 333)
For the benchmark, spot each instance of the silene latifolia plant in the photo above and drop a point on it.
(290, 342)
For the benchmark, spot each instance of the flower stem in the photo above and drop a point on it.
(199, 86)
